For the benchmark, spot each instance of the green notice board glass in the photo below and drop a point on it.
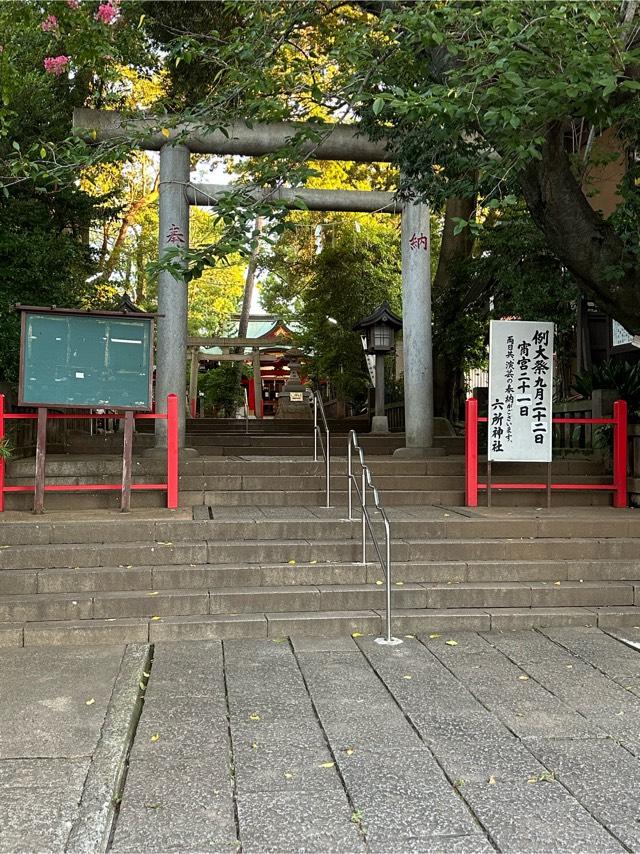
(86, 359)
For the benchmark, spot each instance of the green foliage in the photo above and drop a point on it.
(221, 390)
(354, 273)
(615, 374)
(42, 263)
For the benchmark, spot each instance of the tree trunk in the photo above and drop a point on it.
(127, 221)
(604, 269)
(454, 249)
(249, 284)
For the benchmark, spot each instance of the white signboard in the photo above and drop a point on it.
(520, 390)
(620, 336)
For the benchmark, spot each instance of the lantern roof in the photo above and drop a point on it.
(382, 314)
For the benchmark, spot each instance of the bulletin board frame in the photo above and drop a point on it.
(115, 403)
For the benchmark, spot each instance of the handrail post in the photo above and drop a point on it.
(315, 428)
(388, 578)
(620, 453)
(349, 476)
(328, 469)
(364, 517)
(2, 463)
(172, 452)
(471, 451)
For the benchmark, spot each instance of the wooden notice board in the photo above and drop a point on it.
(86, 359)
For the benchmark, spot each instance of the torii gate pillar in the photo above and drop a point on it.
(416, 333)
(172, 293)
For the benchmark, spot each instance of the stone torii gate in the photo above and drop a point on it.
(176, 194)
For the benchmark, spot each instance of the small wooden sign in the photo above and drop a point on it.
(296, 396)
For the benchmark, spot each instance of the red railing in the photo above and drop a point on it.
(171, 484)
(618, 487)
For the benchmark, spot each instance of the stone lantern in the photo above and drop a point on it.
(292, 402)
(378, 338)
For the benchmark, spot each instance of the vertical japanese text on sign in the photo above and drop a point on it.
(520, 391)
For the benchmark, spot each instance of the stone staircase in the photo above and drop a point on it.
(254, 553)
(259, 573)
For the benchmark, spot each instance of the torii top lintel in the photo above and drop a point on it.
(335, 142)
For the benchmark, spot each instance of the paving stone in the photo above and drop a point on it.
(203, 577)
(478, 759)
(299, 735)
(526, 817)
(324, 623)
(182, 807)
(39, 802)
(476, 844)
(120, 530)
(604, 570)
(391, 787)
(43, 556)
(599, 649)
(576, 594)
(304, 646)
(265, 599)
(11, 634)
(146, 554)
(517, 570)
(603, 777)
(214, 627)
(33, 533)
(174, 603)
(367, 596)
(188, 669)
(316, 573)
(478, 595)
(413, 620)
(86, 632)
(283, 768)
(35, 608)
(516, 619)
(422, 572)
(531, 646)
(617, 616)
(18, 581)
(93, 580)
(43, 700)
(287, 823)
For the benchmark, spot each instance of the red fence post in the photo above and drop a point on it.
(2, 434)
(471, 451)
(620, 453)
(172, 452)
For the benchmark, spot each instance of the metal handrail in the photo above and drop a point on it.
(361, 492)
(316, 401)
(246, 411)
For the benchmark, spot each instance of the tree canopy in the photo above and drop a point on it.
(495, 112)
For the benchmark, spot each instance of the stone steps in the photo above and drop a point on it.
(437, 527)
(272, 551)
(452, 574)
(322, 598)
(206, 576)
(91, 466)
(309, 623)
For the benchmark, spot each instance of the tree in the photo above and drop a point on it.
(327, 293)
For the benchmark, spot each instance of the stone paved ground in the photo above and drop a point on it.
(515, 742)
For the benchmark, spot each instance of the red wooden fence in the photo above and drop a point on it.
(618, 487)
